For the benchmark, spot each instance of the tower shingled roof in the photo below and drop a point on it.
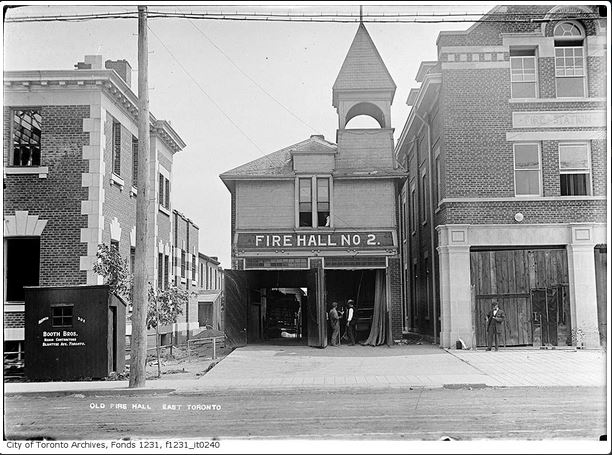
(363, 67)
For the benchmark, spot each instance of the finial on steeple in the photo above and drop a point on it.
(361, 14)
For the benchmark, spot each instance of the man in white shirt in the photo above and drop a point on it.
(351, 322)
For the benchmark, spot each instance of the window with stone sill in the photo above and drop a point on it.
(26, 137)
(134, 162)
(166, 270)
(570, 73)
(575, 169)
(527, 169)
(424, 196)
(183, 264)
(164, 192)
(523, 73)
(160, 270)
(116, 147)
(413, 208)
(193, 267)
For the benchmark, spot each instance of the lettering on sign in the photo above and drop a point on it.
(332, 240)
(62, 338)
(560, 119)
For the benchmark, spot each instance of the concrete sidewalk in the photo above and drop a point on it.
(282, 367)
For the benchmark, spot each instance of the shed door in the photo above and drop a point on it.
(317, 333)
(235, 310)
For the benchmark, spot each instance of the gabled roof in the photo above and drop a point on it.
(278, 164)
(363, 67)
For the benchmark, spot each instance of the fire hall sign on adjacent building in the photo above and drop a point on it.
(559, 119)
(297, 240)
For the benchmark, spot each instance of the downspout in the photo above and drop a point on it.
(431, 227)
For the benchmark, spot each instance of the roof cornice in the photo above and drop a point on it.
(106, 80)
(429, 81)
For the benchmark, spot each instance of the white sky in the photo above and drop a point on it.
(296, 63)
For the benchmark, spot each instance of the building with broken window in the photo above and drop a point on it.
(70, 167)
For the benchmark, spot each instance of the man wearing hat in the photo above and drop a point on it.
(335, 325)
(351, 322)
(495, 320)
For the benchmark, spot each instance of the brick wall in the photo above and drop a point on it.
(118, 202)
(395, 283)
(570, 211)
(473, 116)
(478, 159)
(58, 197)
(14, 320)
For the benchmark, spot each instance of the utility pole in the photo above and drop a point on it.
(138, 349)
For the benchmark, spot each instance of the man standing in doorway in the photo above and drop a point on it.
(495, 320)
(351, 321)
(334, 321)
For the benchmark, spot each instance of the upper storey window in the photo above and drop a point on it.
(322, 202)
(523, 73)
(314, 202)
(26, 137)
(305, 203)
(116, 147)
(569, 60)
(575, 168)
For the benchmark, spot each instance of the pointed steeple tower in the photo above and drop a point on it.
(364, 85)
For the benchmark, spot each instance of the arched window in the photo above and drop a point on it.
(570, 57)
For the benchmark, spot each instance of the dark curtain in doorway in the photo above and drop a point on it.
(378, 330)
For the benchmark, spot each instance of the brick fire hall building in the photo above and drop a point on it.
(316, 222)
(505, 144)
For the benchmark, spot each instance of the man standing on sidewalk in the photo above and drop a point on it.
(334, 321)
(495, 319)
(351, 321)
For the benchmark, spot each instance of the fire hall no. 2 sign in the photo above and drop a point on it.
(298, 240)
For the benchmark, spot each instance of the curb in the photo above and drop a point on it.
(331, 388)
(92, 392)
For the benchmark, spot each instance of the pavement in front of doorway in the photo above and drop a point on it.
(273, 367)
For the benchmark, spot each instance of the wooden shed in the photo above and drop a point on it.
(73, 332)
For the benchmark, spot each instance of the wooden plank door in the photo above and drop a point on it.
(235, 309)
(317, 321)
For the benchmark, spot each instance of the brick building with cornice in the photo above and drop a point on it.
(70, 166)
(505, 144)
